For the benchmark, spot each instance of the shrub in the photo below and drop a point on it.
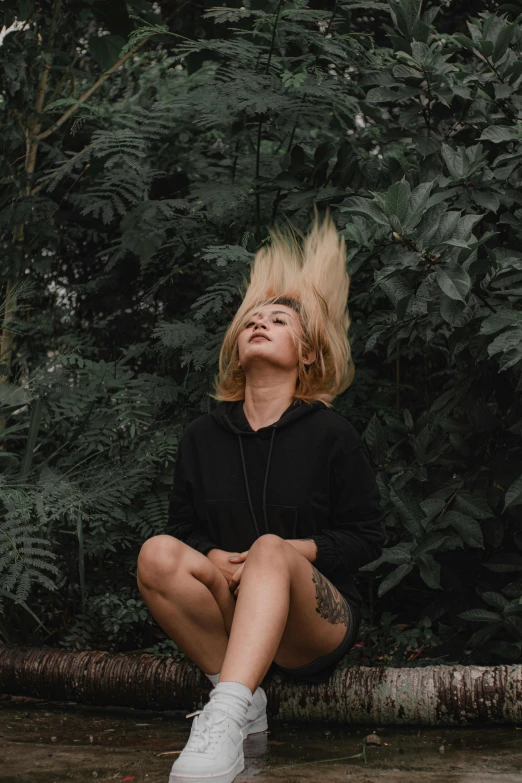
(140, 222)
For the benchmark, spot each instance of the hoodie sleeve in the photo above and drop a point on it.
(356, 536)
(182, 520)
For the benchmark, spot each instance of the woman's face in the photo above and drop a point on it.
(267, 338)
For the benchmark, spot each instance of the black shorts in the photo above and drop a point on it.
(322, 668)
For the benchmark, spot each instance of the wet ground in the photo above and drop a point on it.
(43, 742)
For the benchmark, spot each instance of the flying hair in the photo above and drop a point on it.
(309, 275)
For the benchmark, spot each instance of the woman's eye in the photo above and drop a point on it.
(279, 321)
(250, 323)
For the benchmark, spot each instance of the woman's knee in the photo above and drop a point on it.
(268, 544)
(159, 558)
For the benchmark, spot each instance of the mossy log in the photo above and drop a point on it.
(429, 696)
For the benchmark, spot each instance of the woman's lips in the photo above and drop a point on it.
(258, 337)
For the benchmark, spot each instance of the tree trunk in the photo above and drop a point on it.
(430, 696)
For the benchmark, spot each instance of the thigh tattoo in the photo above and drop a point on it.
(330, 604)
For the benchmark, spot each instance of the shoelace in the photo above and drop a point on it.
(204, 730)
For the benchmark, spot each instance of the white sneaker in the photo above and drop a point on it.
(256, 719)
(214, 751)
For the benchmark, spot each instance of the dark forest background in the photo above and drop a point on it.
(146, 148)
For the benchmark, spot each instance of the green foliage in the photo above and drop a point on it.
(135, 232)
(395, 644)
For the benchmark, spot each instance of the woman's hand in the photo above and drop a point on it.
(227, 563)
(236, 578)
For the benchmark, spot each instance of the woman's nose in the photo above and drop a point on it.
(259, 322)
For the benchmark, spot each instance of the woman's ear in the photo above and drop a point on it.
(310, 358)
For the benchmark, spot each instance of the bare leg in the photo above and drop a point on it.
(286, 611)
(189, 598)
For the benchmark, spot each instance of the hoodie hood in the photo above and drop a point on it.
(231, 416)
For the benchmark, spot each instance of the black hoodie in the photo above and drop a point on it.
(308, 475)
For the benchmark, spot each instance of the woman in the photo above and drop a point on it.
(274, 505)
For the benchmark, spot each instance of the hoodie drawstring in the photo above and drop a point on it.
(265, 513)
(245, 476)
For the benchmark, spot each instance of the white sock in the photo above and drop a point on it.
(234, 688)
(214, 678)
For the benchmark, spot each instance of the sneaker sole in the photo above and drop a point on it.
(254, 726)
(224, 777)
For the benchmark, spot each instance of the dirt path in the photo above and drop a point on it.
(43, 742)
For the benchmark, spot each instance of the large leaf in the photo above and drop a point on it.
(106, 49)
(500, 133)
(432, 507)
(417, 204)
(473, 505)
(499, 320)
(381, 95)
(427, 143)
(455, 312)
(514, 494)
(364, 206)
(429, 222)
(375, 438)
(506, 562)
(488, 200)
(495, 599)
(447, 226)
(465, 226)
(456, 161)
(397, 199)
(513, 589)
(480, 616)
(436, 542)
(409, 510)
(514, 607)
(454, 281)
(401, 553)
(393, 579)
(467, 528)
(509, 343)
(429, 570)
(396, 288)
(405, 15)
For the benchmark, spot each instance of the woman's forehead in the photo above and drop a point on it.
(272, 309)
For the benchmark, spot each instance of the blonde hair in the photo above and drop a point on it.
(311, 279)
